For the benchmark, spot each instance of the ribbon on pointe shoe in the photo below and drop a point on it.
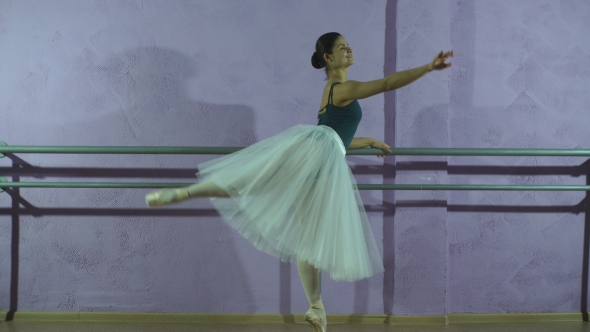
(315, 321)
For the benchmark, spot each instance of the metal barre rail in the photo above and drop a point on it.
(226, 150)
(147, 185)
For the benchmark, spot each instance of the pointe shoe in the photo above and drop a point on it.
(315, 321)
(154, 199)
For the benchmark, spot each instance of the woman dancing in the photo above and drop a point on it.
(293, 195)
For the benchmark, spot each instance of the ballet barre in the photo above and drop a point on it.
(5, 149)
(226, 150)
(154, 185)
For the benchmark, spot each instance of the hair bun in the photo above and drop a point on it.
(317, 62)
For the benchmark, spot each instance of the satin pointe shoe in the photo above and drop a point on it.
(165, 197)
(315, 321)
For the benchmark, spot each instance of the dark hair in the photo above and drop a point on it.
(324, 45)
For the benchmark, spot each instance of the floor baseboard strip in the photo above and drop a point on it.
(48, 316)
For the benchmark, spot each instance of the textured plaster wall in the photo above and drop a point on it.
(165, 73)
(521, 79)
(230, 73)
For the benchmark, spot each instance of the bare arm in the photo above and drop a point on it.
(351, 90)
(360, 142)
(363, 142)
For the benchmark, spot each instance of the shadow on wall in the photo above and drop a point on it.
(428, 120)
(152, 84)
(140, 97)
(152, 87)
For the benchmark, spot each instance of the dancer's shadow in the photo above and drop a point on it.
(140, 97)
(153, 84)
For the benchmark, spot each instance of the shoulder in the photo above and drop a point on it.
(351, 90)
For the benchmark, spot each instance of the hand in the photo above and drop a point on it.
(380, 145)
(439, 62)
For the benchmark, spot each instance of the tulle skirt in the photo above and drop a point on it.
(293, 196)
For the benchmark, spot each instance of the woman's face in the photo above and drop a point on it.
(341, 54)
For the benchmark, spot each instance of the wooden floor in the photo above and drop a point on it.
(20, 326)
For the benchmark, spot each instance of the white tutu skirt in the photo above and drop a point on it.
(294, 197)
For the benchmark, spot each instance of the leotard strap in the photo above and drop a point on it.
(330, 96)
(330, 99)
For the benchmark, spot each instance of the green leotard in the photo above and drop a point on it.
(344, 120)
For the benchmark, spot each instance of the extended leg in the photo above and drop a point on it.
(206, 189)
(310, 278)
(176, 195)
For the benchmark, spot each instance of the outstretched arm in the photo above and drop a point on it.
(351, 90)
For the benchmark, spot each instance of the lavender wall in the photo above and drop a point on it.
(166, 73)
(230, 73)
(521, 80)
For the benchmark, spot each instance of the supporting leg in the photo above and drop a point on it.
(310, 278)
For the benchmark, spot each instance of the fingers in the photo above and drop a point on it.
(443, 54)
(448, 54)
(387, 148)
(440, 60)
(382, 146)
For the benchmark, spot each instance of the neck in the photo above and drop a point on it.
(338, 75)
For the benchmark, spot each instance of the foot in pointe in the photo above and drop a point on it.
(166, 196)
(315, 321)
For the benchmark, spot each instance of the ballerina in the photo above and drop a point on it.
(293, 195)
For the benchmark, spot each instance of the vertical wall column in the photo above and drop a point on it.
(389, 67)
(421, 112)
